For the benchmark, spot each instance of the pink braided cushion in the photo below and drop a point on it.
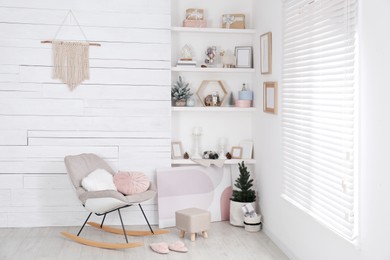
(130, 183)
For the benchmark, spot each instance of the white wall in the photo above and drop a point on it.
(122, 113)
(296, 233)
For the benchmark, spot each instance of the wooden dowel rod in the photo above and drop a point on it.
(91, 43)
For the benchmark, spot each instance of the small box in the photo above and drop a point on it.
(194, 14)
(195, 23)
(245, 95)
(243, 103)
(233, 21)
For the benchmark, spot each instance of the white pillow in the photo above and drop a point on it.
(99, 179)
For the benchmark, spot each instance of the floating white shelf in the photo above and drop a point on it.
(213, 30)
(223, 70)
(213, 109)
(227, 162)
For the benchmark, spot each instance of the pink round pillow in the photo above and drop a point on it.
(130, 183)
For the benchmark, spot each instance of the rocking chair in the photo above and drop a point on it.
(103, 202)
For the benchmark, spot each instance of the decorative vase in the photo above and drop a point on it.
(180, 103)
(221, 148)
(236, 213)
(196, 134)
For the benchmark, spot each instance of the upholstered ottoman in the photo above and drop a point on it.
(193, 220)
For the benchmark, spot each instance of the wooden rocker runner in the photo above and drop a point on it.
(103, 202)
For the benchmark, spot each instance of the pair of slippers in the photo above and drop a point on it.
(163, 248)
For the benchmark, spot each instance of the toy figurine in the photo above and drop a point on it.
(210, 55)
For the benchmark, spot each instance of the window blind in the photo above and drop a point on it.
(319, 110)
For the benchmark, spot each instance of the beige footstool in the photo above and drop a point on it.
(193, 220)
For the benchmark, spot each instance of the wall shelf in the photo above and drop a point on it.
(206, 70)
(215, 120)
(213, 109)
(227, 162)
(213, 30)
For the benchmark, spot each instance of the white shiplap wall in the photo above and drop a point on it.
(122, 113)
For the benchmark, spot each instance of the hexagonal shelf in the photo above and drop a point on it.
(209, 93)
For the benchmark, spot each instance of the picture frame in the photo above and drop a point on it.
(177, 150)
(270, 97)
(244, 58)
(266, 53)
(236, 152)
(247, 149)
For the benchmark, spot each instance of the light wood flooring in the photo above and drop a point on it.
(225, 242)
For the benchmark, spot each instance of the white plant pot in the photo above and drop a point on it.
(236, 213)
(252, 224)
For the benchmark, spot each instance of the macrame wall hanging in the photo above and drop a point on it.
(70, 58)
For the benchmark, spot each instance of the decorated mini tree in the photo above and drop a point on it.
(244, 184)
(180, 91)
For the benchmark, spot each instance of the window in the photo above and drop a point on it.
(319, 110)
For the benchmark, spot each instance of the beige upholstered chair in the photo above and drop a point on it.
(104, 202)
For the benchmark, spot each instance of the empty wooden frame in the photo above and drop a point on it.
(177, 151)
(236, 152)
(266, 53)
(270, 97)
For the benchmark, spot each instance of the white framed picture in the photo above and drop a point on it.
(247, 149)
(244, 57)
(177, 151)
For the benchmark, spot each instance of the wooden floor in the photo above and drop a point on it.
(224, 242)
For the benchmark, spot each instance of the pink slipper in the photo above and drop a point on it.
(161, 248)
(178, 246)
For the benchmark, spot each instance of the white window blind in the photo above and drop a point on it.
(319, 110)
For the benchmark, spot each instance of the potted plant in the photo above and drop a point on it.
(242, 195)
(180, 92)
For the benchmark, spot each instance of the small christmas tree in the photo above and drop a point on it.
(244, 184)
(180, 90)
(231, 99)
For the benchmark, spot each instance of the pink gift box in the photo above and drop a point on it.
(243, 103)
(195, 23)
